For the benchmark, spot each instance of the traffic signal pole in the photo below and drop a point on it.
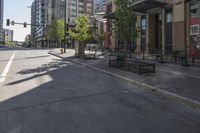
(8, 23)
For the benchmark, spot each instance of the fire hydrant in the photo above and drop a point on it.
(62, 50)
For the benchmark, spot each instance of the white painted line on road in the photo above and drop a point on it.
(6, 69)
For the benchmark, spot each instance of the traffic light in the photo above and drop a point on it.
(8, 22)
(25, 24)
(12, 22)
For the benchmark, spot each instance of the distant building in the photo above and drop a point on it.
(44, 12)
(7, 35)
(33, 20)
(1, 19)
(38, 20)
(99, 6)
(75, 8)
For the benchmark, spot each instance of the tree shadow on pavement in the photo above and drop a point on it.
(45, 67)
(66, 97)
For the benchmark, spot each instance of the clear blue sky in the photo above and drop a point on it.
(18, 11)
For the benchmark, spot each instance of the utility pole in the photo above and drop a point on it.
(65, 25)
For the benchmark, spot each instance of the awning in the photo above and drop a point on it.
(145, 5)
(110, 15)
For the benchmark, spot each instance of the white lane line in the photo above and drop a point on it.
(6, 69)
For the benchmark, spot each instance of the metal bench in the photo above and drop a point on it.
(137, 66)
(118, 61)
(140, 66)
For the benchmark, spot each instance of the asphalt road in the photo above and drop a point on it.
(41, 93)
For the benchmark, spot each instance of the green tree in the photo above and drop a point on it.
(59, 30)
(50, 32)
(55, 31)
(82, 32)
(125, 22)
(101, 38)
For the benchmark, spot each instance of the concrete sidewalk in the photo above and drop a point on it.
(175, 79)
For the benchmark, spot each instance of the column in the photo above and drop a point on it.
(163, 29)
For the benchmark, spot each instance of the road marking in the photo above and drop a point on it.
(6, 69)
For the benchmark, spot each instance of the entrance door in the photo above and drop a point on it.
(158, 32)
(168, 33)
(143, 33)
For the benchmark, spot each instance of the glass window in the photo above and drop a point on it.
(143, 22)
(169, 18)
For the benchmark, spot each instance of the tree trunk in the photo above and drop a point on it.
(81, 48)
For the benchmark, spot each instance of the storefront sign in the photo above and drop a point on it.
(195, 37)
(194, 29)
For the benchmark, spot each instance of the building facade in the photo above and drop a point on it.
(7, 36)
(1, 19)
(99, 6)
(33, 21)
(166, 25)
(194, 26)
(39, 20)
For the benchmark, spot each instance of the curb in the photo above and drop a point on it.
(190, 102)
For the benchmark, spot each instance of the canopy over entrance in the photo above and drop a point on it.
(145, 5)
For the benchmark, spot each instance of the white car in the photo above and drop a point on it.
(92, 46)
(3, 46)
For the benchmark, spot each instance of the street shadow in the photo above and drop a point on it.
(45, 67)
(26, 79)
(64, 97)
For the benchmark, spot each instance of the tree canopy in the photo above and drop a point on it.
(81, 32)
(125, 21)
(56, 30)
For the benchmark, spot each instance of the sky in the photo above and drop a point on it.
(18, 11)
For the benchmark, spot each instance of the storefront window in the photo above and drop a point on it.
(169, 30)
(144, 24)
(195, 27)
(169, 18)
(143, 32)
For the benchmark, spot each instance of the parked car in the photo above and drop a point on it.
(3, 46)
(92, 47)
